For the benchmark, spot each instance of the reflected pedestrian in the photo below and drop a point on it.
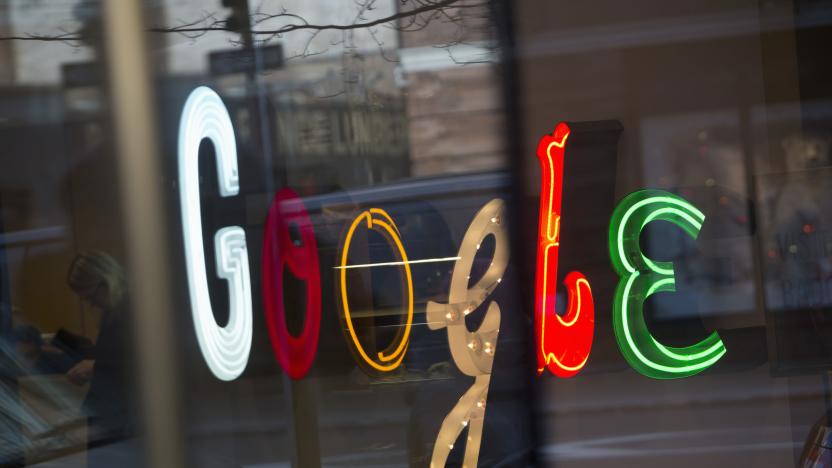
(99, 280)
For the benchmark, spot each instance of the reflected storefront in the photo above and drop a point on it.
(415, 233)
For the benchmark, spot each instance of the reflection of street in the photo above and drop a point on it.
(639, 447)
(366, 427)
(623, 419)
(616, 418)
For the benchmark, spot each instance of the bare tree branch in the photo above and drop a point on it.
(412, 16)
(305, 25)
(415, 19)
(68, 38)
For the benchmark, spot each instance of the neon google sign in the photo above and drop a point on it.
(563, 343)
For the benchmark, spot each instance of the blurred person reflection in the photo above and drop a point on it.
(39, 356)
(99, 280)
(28, 345)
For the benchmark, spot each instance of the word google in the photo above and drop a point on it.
(563, 342)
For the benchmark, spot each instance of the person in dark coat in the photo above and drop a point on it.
(99, 280)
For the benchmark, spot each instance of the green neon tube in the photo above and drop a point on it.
(642, 277)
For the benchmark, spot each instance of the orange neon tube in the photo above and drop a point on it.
(378, 220)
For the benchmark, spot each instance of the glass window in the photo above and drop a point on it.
(414, 233)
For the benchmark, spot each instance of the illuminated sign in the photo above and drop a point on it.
(225, 349)
(379, 221)
(473, 352)
(563, 343)
(642, 277)
(295, 354)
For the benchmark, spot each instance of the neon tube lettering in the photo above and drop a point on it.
(225, 349)
(295, 354)
(563, 343)
(472, 352)
(642, 277)
(379, 221)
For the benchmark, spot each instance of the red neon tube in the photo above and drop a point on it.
(563, 342)
(295, 354)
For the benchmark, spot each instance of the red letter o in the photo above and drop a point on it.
(295, 354)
